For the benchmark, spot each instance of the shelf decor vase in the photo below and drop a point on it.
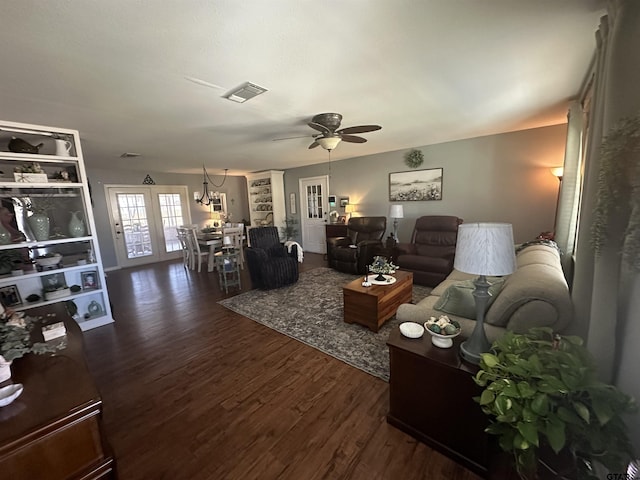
(39, 225)
(5, 236)
(76, 226)
(5, 369)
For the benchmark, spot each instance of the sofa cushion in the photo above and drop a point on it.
(427, 264)
(458, 298)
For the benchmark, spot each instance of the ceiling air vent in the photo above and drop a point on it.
(245, 92)
(129, 155)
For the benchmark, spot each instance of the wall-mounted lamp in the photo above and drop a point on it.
(557, 172)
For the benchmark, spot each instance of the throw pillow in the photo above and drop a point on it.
(458, 299)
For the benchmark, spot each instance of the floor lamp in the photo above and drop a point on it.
(483, 249)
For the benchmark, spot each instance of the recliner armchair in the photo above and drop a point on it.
(352, 254)
(270, 264)
(431, 252)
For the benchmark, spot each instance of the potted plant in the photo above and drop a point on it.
(541, 392)
(15, 341)
(10, 260)
(289, 230)
(30, 173)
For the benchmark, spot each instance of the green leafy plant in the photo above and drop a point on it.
(289, 230)
(15, 339)
(9, 260)
(33, 167)
(381, 265)
(619, 188)
(540, 389)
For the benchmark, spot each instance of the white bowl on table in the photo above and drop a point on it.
(411, 329)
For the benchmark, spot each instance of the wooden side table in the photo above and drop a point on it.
(431, 394)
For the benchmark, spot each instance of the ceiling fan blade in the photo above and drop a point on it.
(313, 145)
(359, 129)
(321, 128)
(289, 138)
(353, 139)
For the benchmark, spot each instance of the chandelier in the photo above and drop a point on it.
(208, 197)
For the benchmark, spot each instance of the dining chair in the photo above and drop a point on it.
(197, 254)
(187, 258)
(236, 235)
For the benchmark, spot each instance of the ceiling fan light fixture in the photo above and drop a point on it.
(245, 92)
(328, 143)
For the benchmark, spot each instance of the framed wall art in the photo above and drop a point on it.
(416, 185)
(9, 296)
(89, 280)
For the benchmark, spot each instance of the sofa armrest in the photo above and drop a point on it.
(333, 242)
(405, 249)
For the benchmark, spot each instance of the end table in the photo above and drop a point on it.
(227, 263)
(431, 394)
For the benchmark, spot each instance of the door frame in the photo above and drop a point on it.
(156, 227)
(303, 208)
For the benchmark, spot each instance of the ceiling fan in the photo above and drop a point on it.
(331, 135)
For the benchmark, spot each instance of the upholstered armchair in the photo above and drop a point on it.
(431, 251)
(270, 264)
(352, 254)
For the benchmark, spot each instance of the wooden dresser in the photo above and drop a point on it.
(53, 430)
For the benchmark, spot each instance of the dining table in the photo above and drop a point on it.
(214, 242)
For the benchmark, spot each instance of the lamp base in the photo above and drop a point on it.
(477, 343)
(469, 356)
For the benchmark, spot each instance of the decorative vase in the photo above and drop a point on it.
(5, 369)
(5, 236)
(39, 224)
(76, 226)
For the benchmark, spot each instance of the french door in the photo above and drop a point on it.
(314, 205)
(144, 221)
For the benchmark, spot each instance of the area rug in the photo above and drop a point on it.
(311, 311)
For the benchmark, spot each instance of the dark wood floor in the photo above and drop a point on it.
(192, 390)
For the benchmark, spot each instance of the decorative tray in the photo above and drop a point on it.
(388, 279)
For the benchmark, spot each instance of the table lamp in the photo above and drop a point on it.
(483, 249)
(349, 208)
(215, 216)
(396, 212)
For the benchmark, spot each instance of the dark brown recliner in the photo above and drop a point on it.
(352, 254)
(432, 249)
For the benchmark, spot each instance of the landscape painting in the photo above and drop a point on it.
(416, 185)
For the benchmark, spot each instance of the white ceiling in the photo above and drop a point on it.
(428, 71)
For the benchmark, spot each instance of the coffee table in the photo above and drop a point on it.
(374, 305)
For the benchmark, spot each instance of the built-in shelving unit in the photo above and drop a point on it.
(61, 188)
(266, 198)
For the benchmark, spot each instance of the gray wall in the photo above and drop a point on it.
(497, 178)
(234, 187)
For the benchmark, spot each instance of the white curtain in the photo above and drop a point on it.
(605, 291)
(569, 200)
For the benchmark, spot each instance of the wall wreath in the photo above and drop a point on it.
(413, 158)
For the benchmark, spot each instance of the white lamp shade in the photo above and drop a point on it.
(349, 208)
(485, 249)
(328, 143)
(396, 211)
(226, 241)
(196, 195)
